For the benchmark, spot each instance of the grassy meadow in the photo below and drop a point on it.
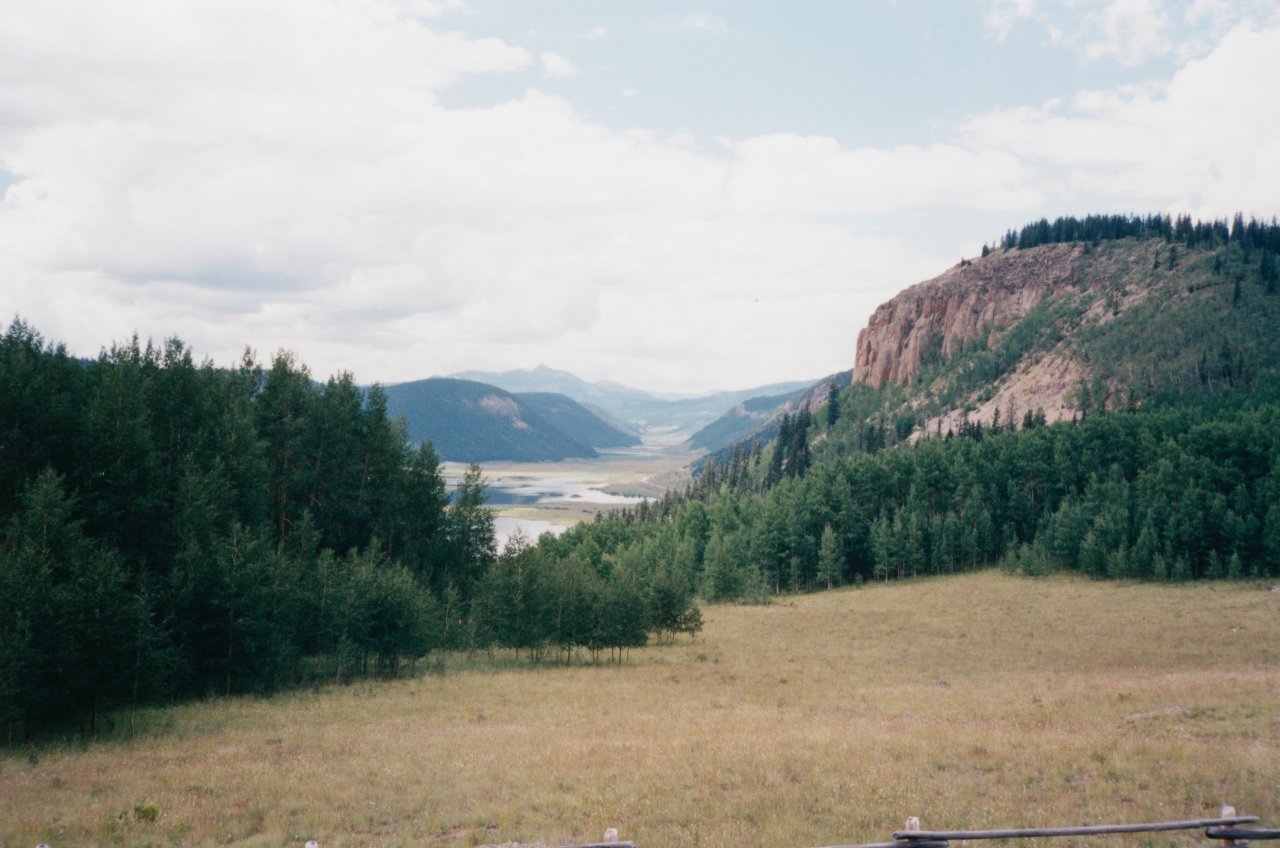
(975, 701)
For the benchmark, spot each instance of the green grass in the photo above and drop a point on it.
(976, 701)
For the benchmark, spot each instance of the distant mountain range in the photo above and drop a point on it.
(632, 408)
(577, 420)
(468, 421)
(545, 415)
(757, 417)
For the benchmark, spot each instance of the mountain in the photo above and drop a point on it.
(1070, 327)
(1155, 340)
(577, 421)
(544, 379)
(628, 408)
(757, 417)
(688, 415)
(468, 421)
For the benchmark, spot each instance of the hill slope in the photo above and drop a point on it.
(757, 417)
(1075, 327)
(577, 421)
(625, 407)
(473, 422)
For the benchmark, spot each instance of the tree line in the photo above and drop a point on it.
(171, 529)
(1254, 234)
(1182, 491)
(1177, 378)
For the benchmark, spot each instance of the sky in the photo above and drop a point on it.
(678, 196)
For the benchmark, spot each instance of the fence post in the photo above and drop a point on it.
(1228, 812)
(913, 823)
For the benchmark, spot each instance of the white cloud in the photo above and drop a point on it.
(1206, 10)
(1001, 15)
(430, 8)
(555, 66)
(702, 22)
(1200, 143)
(814, 176)
(1130, 31)
(282, 175)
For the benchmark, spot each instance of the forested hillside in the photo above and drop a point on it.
(634, 408)
(475, 422)
(575, 420)
(170, 530)
(758, 418)
(1187, 491)
(1131, 309)
(1169, 469)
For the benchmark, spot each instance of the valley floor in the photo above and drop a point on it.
(570, 491)
(982, 700)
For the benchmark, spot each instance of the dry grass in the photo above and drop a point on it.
(981, 700)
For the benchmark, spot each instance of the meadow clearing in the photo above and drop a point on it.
(982, 700)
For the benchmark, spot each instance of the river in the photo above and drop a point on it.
(537, 499)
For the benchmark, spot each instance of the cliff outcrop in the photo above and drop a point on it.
(970, 301)
(1069, 329)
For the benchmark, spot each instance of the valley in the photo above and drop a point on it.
(541, 497)
(483, 424)
(392, 671)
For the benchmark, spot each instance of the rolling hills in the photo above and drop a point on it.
(757, 418)
(567, 415)
(678, 417)
(468, 421)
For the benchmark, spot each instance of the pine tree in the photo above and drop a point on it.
(1159, 569)
(69, 621)
(1268, 272)
(1213, 566)
(469, 533)
(830, 558)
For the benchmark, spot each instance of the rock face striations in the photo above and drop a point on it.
(1058, 331)
(964, 304)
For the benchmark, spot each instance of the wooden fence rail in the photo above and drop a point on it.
(1087, 830)
(1224, 828)
(1233, 833)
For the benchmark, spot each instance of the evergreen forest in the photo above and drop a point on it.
(1171, 470)
(1181, 491)
(171, 530)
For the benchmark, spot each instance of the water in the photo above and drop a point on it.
(524, 490)
(513, 489)
(506, 526)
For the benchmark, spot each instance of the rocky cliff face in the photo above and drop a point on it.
(977, 298)
(1120, 321)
